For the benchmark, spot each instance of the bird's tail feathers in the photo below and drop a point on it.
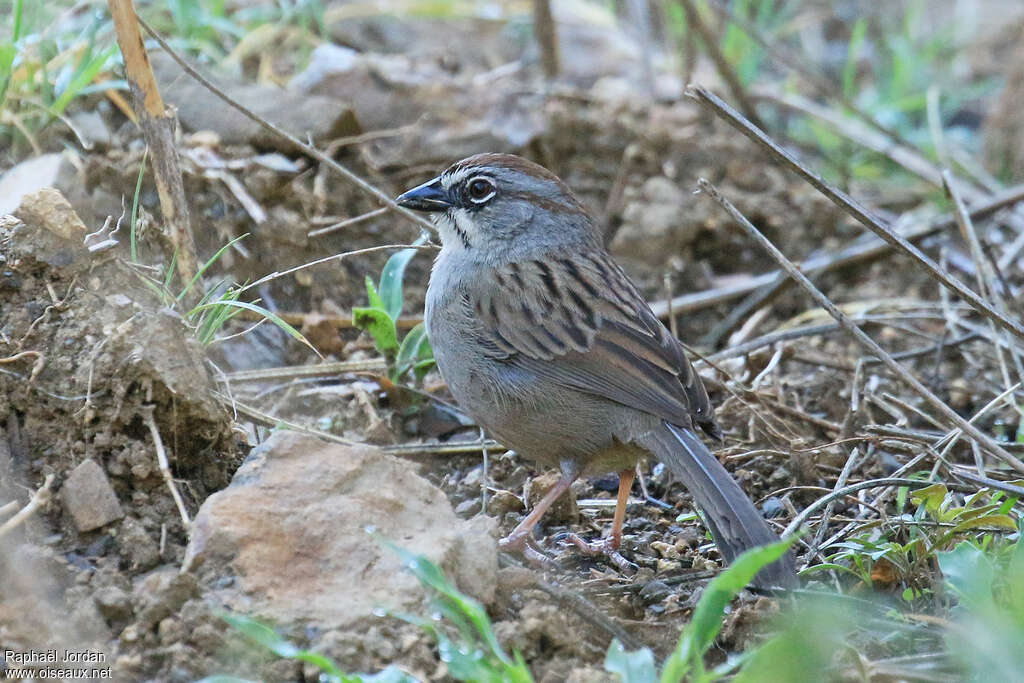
(735, 523)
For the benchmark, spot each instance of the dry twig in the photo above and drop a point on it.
(308, 149)
(39, 498)
(855, 209)
(165, 468)
(851, 327)
(158, 128)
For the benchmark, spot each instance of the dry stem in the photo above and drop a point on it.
(849, 325)
(165, 468)
(855, 209)
(39, 498)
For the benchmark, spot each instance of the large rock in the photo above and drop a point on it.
(287, 540)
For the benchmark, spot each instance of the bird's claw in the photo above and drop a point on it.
(526, 547)
(606, 546)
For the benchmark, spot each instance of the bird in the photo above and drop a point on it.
(548, 345)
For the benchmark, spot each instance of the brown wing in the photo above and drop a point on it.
(579, 320)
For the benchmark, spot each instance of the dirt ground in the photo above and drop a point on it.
(96, 364)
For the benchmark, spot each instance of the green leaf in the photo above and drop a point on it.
(931, 497)
(968, 573)
(213, 259)
(706, 623)
(415, 349)
(82, 78)
(634, 667)
(478, 656)
(373, 296)
(998, 521)
(380, 326)
(391, 281)
(422, 368)
(1015, 581)
(268, 638)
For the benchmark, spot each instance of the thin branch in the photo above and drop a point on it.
(850, 326)
(854, 208)
(158, 127)
(725, 70)
(308, 149)
(165, 468)
(39, 498)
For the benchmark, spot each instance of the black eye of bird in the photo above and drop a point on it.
(480, 189)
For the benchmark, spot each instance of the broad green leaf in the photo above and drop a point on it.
(998, 521)
(634, 667)
(969, 574)
(391, 281)
(1015, 581)
(415, 349)
(373, 296)
(380, 326)
(931, 496)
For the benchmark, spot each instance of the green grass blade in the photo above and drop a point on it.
(17, 15)
(210, 262)
(82, 78)
(291, 331)
(135, 209)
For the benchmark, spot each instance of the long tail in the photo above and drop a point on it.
(735, 523)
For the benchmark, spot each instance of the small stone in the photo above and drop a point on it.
(502, 502)
(89, 498)
(170, 630)
(468, 508)
(474, 476)
(687, 537)
(665, 550)
(137, 546)
(564, 509)
(773, 507)
(655, 591)
(48, 209)
(90, 127)
(960, 394)
(665, 566)
(115, 604)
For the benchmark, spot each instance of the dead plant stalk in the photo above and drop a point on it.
(162, 463)
(158, 127)
(854, 208)
(850, 326)
(39, 498)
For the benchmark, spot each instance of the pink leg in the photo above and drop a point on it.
(610, 546)
(518, 540)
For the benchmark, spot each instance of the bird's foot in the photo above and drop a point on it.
(609, 547)
(526, 547)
